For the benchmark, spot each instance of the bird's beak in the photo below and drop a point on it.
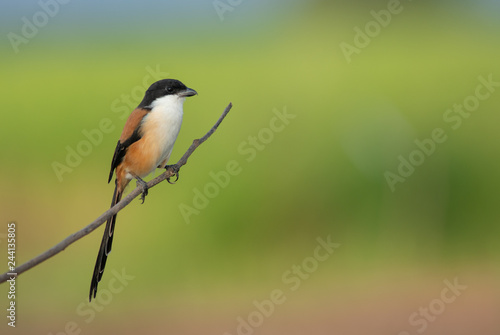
(188, 92)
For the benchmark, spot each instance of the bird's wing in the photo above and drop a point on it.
(131, 133)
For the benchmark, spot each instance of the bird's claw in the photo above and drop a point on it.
(175, 170)
(141, 183)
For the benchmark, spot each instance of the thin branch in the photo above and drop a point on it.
(113, 210)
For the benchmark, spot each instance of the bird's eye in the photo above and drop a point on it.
(170, 89)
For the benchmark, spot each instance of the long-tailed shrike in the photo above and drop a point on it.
(145, 144)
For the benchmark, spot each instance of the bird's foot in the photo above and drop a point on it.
(141, 183)
(175, 170)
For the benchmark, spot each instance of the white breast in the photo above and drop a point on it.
(161, 127)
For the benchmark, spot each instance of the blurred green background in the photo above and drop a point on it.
(321, 174)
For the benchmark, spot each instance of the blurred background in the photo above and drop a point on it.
(352, 189)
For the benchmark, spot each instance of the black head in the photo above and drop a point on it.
(165, 87)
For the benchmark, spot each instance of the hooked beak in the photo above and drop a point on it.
(188, 92)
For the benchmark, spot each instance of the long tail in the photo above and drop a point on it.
(105, 248)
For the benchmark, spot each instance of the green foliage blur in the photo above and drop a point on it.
(310, 141)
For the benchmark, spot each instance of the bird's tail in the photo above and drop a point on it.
(105, 248)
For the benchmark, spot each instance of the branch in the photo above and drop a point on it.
(113, 210)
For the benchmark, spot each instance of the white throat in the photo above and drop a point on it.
(169, 101)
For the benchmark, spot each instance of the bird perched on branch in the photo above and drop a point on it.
(145, 144)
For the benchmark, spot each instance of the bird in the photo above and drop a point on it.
(145, 144)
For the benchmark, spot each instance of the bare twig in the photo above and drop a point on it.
(113, 210)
